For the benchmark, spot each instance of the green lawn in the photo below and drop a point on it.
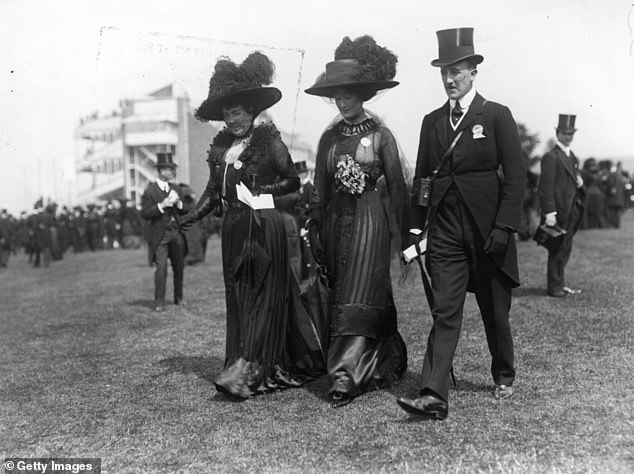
(89, 370)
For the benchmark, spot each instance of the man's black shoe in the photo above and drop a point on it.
(429, 406)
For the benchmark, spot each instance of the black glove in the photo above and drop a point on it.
(284, 186)
(187, 221)
(203, 207)
(497, 242)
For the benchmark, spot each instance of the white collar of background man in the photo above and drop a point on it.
(564, 148)
(164, 185)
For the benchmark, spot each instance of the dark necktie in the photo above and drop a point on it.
(456, 113)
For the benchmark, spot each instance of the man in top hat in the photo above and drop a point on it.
(561, 197)
(161, 205)
(6, 237)
(474, 208)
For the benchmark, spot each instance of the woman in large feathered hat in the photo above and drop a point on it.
(255, 250)
(360, 199)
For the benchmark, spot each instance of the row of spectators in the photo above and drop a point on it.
(50, 231)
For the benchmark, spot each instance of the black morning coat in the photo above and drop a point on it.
(558, 185)
(487, 168)
(157, 221)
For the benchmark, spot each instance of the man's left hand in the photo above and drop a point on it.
(497, 242)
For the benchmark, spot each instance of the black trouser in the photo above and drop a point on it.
(456, 262)
(4, 255)
(171, 246)
(558, 258)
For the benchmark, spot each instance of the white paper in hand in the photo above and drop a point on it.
(263, 201)
(411, 252)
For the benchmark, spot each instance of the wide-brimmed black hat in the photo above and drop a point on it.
(345, 73)
(359, 64)
(455, 45)
(165, 160)
(240, 84)
(566, 123)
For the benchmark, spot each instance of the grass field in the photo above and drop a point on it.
(89, 370)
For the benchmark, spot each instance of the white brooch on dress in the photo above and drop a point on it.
(365, 141)
(237, 165)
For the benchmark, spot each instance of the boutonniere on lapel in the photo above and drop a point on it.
(477, 131)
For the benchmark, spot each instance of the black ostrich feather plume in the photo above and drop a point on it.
(256, 70)
(377, 62)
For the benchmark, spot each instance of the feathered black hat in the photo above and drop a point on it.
(243, 84)
(360, 64)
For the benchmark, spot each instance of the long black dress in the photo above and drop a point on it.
(366, 351)
(270, 344)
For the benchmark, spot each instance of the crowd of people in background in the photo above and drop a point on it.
(608, 194)
(50, 231)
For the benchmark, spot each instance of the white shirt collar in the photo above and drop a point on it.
(164, 185)
(564, 148)
(465, 100)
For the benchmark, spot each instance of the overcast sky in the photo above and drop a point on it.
(63, 59)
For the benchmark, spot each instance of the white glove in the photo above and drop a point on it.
(173, 197)
(579, 181)
(167, 202)
(551, 219)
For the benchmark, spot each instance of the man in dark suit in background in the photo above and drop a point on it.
(475, 207)
(561, 197)
(6, 237)
(161, 205)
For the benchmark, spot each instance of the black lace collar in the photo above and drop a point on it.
(350, 130)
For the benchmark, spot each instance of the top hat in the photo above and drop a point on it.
(566, 123)
(240, 84)
(454, 45)
(359, 64)
(165, 160)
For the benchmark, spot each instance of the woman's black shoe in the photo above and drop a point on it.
(339, 399)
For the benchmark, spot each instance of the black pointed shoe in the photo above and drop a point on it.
(429, 406)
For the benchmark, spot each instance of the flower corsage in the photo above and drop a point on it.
(349, 177)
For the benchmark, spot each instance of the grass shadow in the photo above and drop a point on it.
(467, 386)
(203, 367)
(523, 291)
(318, 387)
(147, 303)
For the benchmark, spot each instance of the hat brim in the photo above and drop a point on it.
(260, 98)
(448, 61)
(328, 89)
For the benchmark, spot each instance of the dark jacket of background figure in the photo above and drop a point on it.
(558, 191)
(157, 221)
